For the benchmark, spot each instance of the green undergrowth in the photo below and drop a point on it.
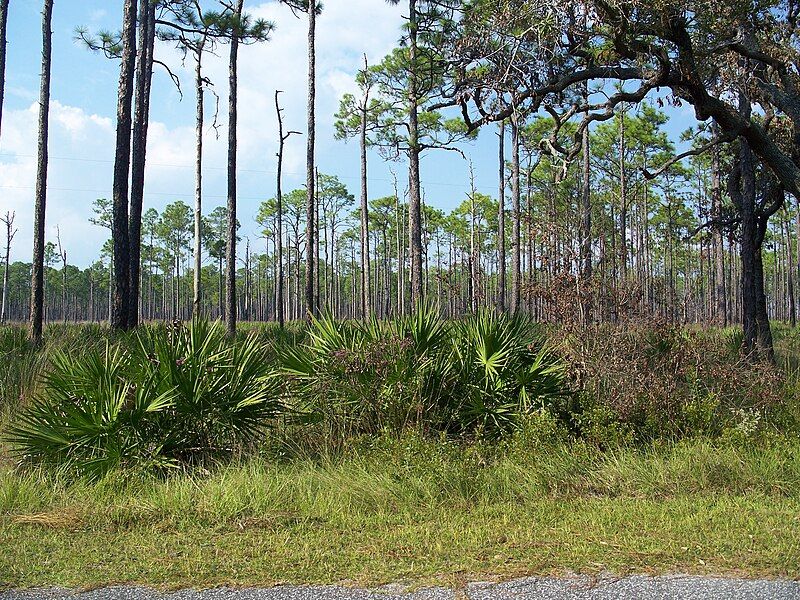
(413, 450)
(413, 510)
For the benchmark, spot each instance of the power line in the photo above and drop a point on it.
(213, 168)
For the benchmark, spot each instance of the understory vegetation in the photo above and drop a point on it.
(176, 396)
(413, 510)
(419, 447)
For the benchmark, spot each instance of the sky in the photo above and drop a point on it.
(83, 109)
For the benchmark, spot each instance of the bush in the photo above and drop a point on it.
(419, 372)
(504, 371)
(162, 398)
(660, 381)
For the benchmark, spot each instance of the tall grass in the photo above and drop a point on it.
(408, 474)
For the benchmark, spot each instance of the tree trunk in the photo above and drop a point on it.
(474, 261)
(37, 271)
(122, 160)
(8, 221)
(366, 304)
(720, 291)
(141, 121)
(317, 274)
(230, 250)
(501, 221)
(586, 228)
(3, 44)
(757, 341)
(796, 266)
(764, 332)
(623, 200)
(414, 200)
(311, 208)
(516, 274)
(64, 288)
(279, 200)
(221, 286)
(790, 274)
(198, 175)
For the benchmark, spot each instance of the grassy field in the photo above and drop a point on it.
(413, 511)
(666, 455)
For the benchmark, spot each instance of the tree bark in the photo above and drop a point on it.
(8, 221)
(516, 274)
(757, 340)
(474, 259)
(790, 274)
(122, 161)
(230, 250)
(37, 271)
(311, 208)
(366, 304)
(279, 200)
(3, 45)
(198, 175)
(720, 291)
(501, 220)
(141, 121)
(586, 227)
(623, 200)
(415, 198)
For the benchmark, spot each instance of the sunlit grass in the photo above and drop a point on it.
(413, 510)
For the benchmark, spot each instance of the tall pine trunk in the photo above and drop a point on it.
(8, 221)
(311, 208)
(516, 273)
(37, 271)
(279, 199)
(415, 194)
(230, 250)
(366, 304)
(3, 44)
(198, 175)
(501, 220)
(122, 161)
(720, 308)
(586, 228)
(623, 200)
(141, 122)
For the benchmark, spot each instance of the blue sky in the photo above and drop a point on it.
(84, 107)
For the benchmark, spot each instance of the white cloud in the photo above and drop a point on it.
(98, 15)
(74, 134)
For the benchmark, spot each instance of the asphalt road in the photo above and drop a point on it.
(577, 588)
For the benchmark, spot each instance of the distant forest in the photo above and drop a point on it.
(599, 214)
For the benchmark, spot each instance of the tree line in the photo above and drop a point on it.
(598, 215)
(656, 271)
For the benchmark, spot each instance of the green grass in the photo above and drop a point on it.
(413, 511)
(304, 510)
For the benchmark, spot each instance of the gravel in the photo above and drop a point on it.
(539, 588)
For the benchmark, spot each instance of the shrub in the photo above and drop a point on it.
(161, 398)
(420, 372)
(504, 371)
(367, 377)
(661, 381)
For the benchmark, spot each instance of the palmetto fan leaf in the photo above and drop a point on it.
(162, 397)
(91, 414)
(503, 370)
(420, 371)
